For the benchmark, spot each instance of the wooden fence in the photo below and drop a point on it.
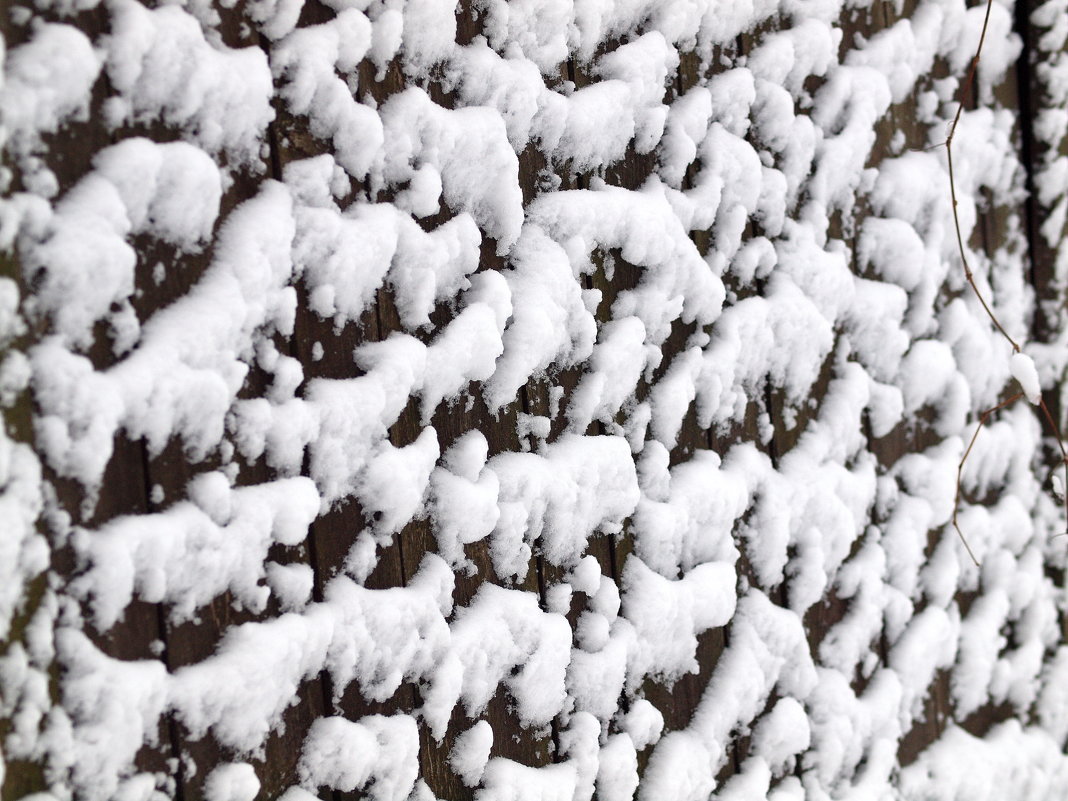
(138, 481)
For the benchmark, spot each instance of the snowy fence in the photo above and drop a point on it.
(527, 401)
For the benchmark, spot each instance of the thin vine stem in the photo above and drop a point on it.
(969, 82)
(960, 467)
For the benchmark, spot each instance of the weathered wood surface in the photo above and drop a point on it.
(135, 480)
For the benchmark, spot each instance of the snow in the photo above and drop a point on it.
(669, 616)
(233, 781)
(113, 707)
(24, 551)
(556, 497)
(469, 149)
(196, 549)
(375, 638)
(181, 378)
(155, 183)
(46, 83)
(378, 751)
(1023, 370)
(470, 755)
(463, 498)
(556, 327)
(163, 68)
(290, 584)
(306, 60)
(503, 637)
(737, 255)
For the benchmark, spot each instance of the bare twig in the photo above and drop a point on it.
(1064, 455)
(968, 83)
(960, 467)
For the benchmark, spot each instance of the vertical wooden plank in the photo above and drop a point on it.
(21, 777)
(1034, 94)
(325, 350)
(68, 153)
